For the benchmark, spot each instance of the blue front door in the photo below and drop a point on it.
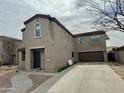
(36, 58)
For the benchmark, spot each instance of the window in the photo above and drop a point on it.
(81, 40)
(23, 56)
(95, 39)
(37, 31)
(72, 54)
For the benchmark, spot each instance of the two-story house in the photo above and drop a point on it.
(48, 45)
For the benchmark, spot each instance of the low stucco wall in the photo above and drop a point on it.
(22, 65)
(105, 56)
(119, 56)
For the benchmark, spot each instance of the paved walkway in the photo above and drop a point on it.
(87, 78)
(20, 83)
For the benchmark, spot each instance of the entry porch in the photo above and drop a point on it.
(31, 59)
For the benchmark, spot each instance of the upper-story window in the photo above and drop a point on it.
(37, 30)
(95, 39)
(81, 40)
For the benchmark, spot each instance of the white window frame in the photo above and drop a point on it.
(35, 30)
(80, 40)
(97, 37)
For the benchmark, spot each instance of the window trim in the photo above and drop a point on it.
(22, 56)
(35, 30)
(95, 37)
(80, 40)
(72, 53)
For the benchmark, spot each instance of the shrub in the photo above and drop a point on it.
(61, 69)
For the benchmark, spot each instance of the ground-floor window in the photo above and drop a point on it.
(72, 54)
(23, 56)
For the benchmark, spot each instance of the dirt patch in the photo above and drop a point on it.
(38, 80)
(118, 68)
(5, 82)
(4, 69)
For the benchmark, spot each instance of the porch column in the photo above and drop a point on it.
(28, 60)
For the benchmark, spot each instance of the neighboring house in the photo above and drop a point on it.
(119, 54)
(48, 45)
(8, 47)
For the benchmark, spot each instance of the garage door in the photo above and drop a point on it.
(91, 56)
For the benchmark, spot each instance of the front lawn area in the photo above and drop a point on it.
(4, 69)
(118, 68)
(5, 82)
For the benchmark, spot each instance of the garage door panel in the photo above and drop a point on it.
(91, 56)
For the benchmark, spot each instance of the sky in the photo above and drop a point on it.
(14, 12)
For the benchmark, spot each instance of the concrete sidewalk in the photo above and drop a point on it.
(89, 78)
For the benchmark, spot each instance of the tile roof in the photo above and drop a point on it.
(89, 33)
(6, 37)
(61, 25)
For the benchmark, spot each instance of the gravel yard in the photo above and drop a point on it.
(5, 82)
(13, 82)
(118, 68)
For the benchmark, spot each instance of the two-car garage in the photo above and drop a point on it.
(97, 56)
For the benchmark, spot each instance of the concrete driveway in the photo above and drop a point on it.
(89, 78)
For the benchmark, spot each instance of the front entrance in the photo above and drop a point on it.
(36, 58)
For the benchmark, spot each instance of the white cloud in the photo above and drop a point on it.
(15, 12)
(116, 39)
(12, 15)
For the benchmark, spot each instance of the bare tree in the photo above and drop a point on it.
(9, 47)
(109, 14)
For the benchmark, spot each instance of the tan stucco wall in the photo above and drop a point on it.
(116, 54)
(21, 63)
(30, 42)
(57, 48)
(119, 56)
(62, 47)
(89, 46)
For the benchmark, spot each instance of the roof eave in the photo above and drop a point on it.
(23, 29)
(36, 16)
(89, 33)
